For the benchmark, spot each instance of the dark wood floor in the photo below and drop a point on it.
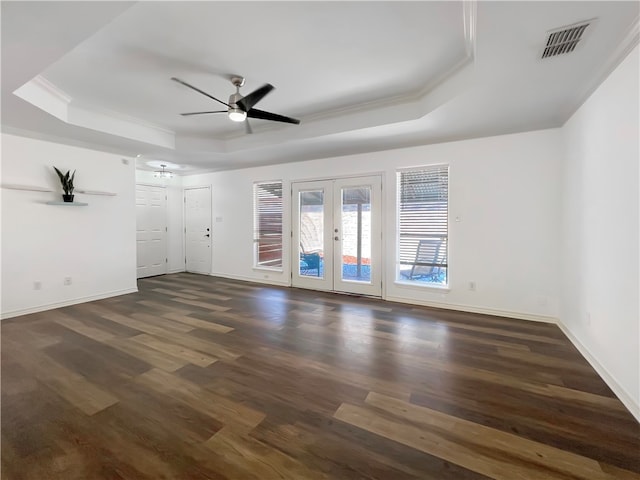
(202, 378)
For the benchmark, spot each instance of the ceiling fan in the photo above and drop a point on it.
(240, 108)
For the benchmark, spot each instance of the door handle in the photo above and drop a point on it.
(207, 235)
(336, 238)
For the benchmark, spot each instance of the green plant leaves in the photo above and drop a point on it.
(66, 180)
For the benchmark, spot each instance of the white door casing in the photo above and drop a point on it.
(197, 215)
(342, 230)
(151, 231)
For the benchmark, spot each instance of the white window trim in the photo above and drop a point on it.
(422, 286)
(255, 265)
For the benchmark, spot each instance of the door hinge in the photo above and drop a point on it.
(166, 229)
(166, 260)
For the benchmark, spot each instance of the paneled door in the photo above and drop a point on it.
(337, 231)
(197, 219)
(151, 231)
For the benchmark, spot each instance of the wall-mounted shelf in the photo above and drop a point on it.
(68, 204)
(31, 188)
(94, 192)
(35, 188)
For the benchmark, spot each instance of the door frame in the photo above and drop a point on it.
(184, 224)
(295, 251)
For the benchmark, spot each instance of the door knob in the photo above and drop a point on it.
(336, 238)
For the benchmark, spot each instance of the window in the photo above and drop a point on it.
(267, 224)
(423, 211)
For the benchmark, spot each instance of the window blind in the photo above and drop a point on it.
(423, 211)
(267, 222)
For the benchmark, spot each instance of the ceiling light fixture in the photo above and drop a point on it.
(163, 173)
(237, 114)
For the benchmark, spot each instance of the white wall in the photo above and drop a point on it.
(600, 304)
(504, 190)
(94, 245)
(175, 214)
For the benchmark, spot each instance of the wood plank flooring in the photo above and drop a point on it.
(197, 377)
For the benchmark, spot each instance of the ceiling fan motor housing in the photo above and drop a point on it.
(234, 99)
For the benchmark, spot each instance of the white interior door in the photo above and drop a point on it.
(151, 231)
(197, 216)
(337, 228)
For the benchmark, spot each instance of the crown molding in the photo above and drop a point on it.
(46, 85)
(43, 94)
(46, 96)
(470, 16)
(629, 41)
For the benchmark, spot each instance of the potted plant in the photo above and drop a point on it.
(67, 184)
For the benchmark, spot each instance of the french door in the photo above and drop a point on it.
(337, 235)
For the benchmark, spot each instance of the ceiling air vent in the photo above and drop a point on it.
(564, 40)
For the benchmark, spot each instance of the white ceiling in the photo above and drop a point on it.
(361, 76)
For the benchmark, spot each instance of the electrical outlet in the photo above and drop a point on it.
(37, 285)
(67, 280)
(472, 286)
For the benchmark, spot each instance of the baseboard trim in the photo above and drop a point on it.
(67, 303)
(609, 379)
(251, 279)
(471, 309)
(175, 270)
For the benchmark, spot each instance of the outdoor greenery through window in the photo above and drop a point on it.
(267, 224)
(423, 211)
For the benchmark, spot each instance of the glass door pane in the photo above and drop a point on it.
(355, 257)
(337, 235)
(357, 235)
(311, 230)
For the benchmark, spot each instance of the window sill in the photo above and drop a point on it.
(423, 287)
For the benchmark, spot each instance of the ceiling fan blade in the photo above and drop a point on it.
(274, 117)
(198, 90)
(247, 126)
(254, 97)
(202, 113)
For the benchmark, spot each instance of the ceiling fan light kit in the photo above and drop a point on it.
(239, 108)
(237, 115)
